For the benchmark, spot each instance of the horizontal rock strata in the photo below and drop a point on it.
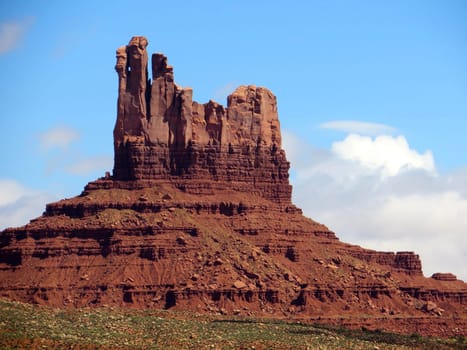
(162, 133)
(197, 216)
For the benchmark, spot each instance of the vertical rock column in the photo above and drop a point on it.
(132, 112)
(132, 61)
(162, 101)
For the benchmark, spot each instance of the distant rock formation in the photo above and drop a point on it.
(198, 216)
(444, 277)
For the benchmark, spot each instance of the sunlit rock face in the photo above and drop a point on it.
(197, 216)
(162, 133)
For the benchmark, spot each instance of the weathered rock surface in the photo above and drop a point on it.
(161, 133)
(198, 216)
(444, 276)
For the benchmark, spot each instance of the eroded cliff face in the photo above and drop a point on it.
(162, 133)
(197, 216)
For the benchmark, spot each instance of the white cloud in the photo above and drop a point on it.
(11, 34)
(388, 154)
(357, 127)
(94, 164)
(19, 204)
(58, 137)
(10, 191)
(388, 202)
(431, 224)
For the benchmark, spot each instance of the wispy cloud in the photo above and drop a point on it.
(19, 204)
(10, 191)
(69, 39)
(58, 137)
(358, 127)
(12, 33)
(64, 153)
(90, 165)
(220, 95)
(383, 194)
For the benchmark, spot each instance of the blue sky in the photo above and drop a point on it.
(372, 103)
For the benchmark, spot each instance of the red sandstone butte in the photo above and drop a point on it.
(197, 216)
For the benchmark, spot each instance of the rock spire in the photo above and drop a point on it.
(162, 133)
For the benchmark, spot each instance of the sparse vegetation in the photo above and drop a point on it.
(24, 326)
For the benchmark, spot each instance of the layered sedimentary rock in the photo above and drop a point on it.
(444, 277)
(162, 133)
(198, 216)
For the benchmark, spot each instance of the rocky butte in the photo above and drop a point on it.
(197, 216)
